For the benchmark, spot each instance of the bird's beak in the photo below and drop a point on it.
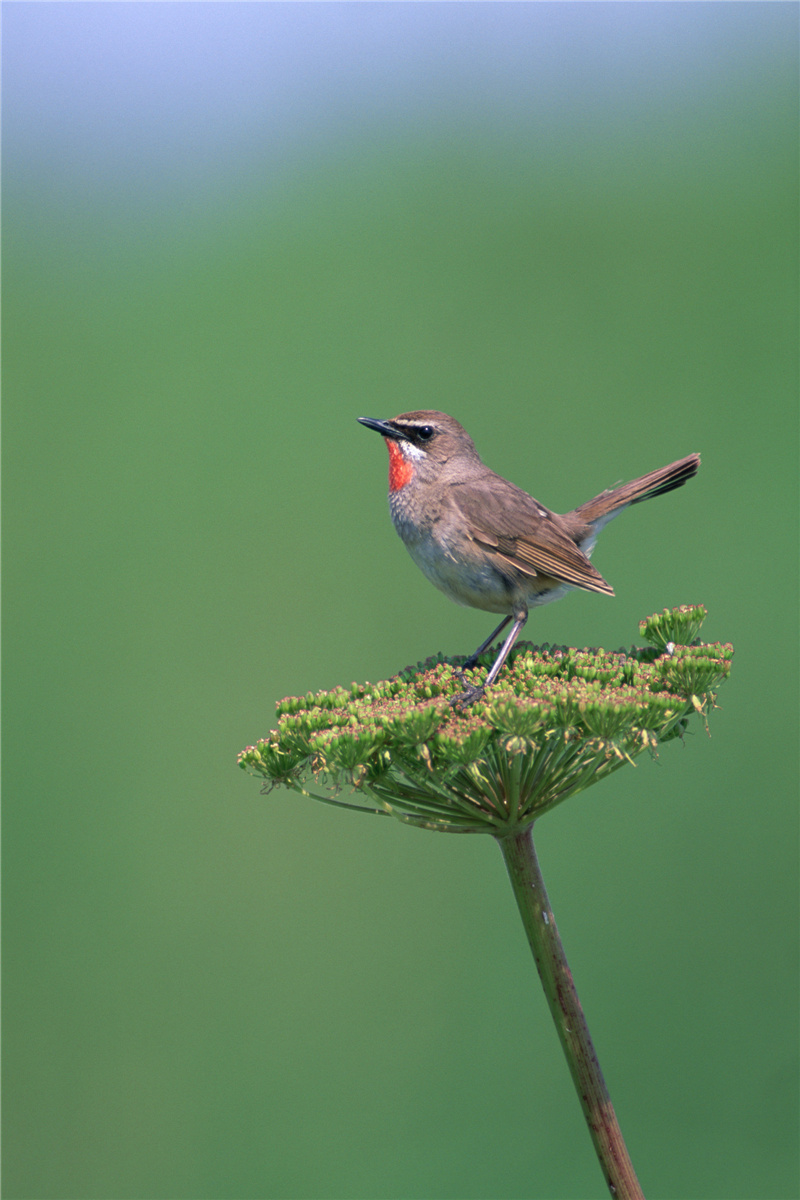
(384, 429)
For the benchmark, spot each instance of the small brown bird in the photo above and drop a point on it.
(482, 540)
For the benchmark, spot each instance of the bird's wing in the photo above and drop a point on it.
(508, 522)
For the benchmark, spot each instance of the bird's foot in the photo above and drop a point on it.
(467, 665)
(470, 694)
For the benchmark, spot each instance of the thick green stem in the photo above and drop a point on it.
(556, 977)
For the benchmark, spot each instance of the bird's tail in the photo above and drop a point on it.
(656, 483)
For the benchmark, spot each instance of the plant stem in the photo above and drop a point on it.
(540, 926)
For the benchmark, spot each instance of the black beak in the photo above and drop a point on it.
(384, 428)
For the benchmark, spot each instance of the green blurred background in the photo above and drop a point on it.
(229, 231)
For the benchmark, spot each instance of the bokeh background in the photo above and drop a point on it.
(230, 229)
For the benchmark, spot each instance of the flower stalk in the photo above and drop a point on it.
(565, 1008)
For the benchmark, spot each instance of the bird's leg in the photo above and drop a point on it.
(473, 658)
(516, 630)
(471, 693)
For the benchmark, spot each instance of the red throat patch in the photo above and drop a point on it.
(400, 469)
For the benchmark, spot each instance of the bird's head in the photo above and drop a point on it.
(421, 444)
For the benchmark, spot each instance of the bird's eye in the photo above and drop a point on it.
(424, 433)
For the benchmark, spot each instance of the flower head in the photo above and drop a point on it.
(557, 720)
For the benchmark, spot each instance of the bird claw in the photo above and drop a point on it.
(470, 694)
(459, 671)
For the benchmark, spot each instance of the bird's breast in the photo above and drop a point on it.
(450, 560)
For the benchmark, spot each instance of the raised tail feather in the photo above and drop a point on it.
(656, 483)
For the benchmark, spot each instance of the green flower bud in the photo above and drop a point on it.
(677, 626)
(517, 717)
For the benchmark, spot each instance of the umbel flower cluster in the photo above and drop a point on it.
(556, 721)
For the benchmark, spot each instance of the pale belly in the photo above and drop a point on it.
(476, 582)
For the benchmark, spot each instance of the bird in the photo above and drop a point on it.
(485, 542)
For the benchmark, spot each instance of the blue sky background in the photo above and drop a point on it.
(166, 99)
